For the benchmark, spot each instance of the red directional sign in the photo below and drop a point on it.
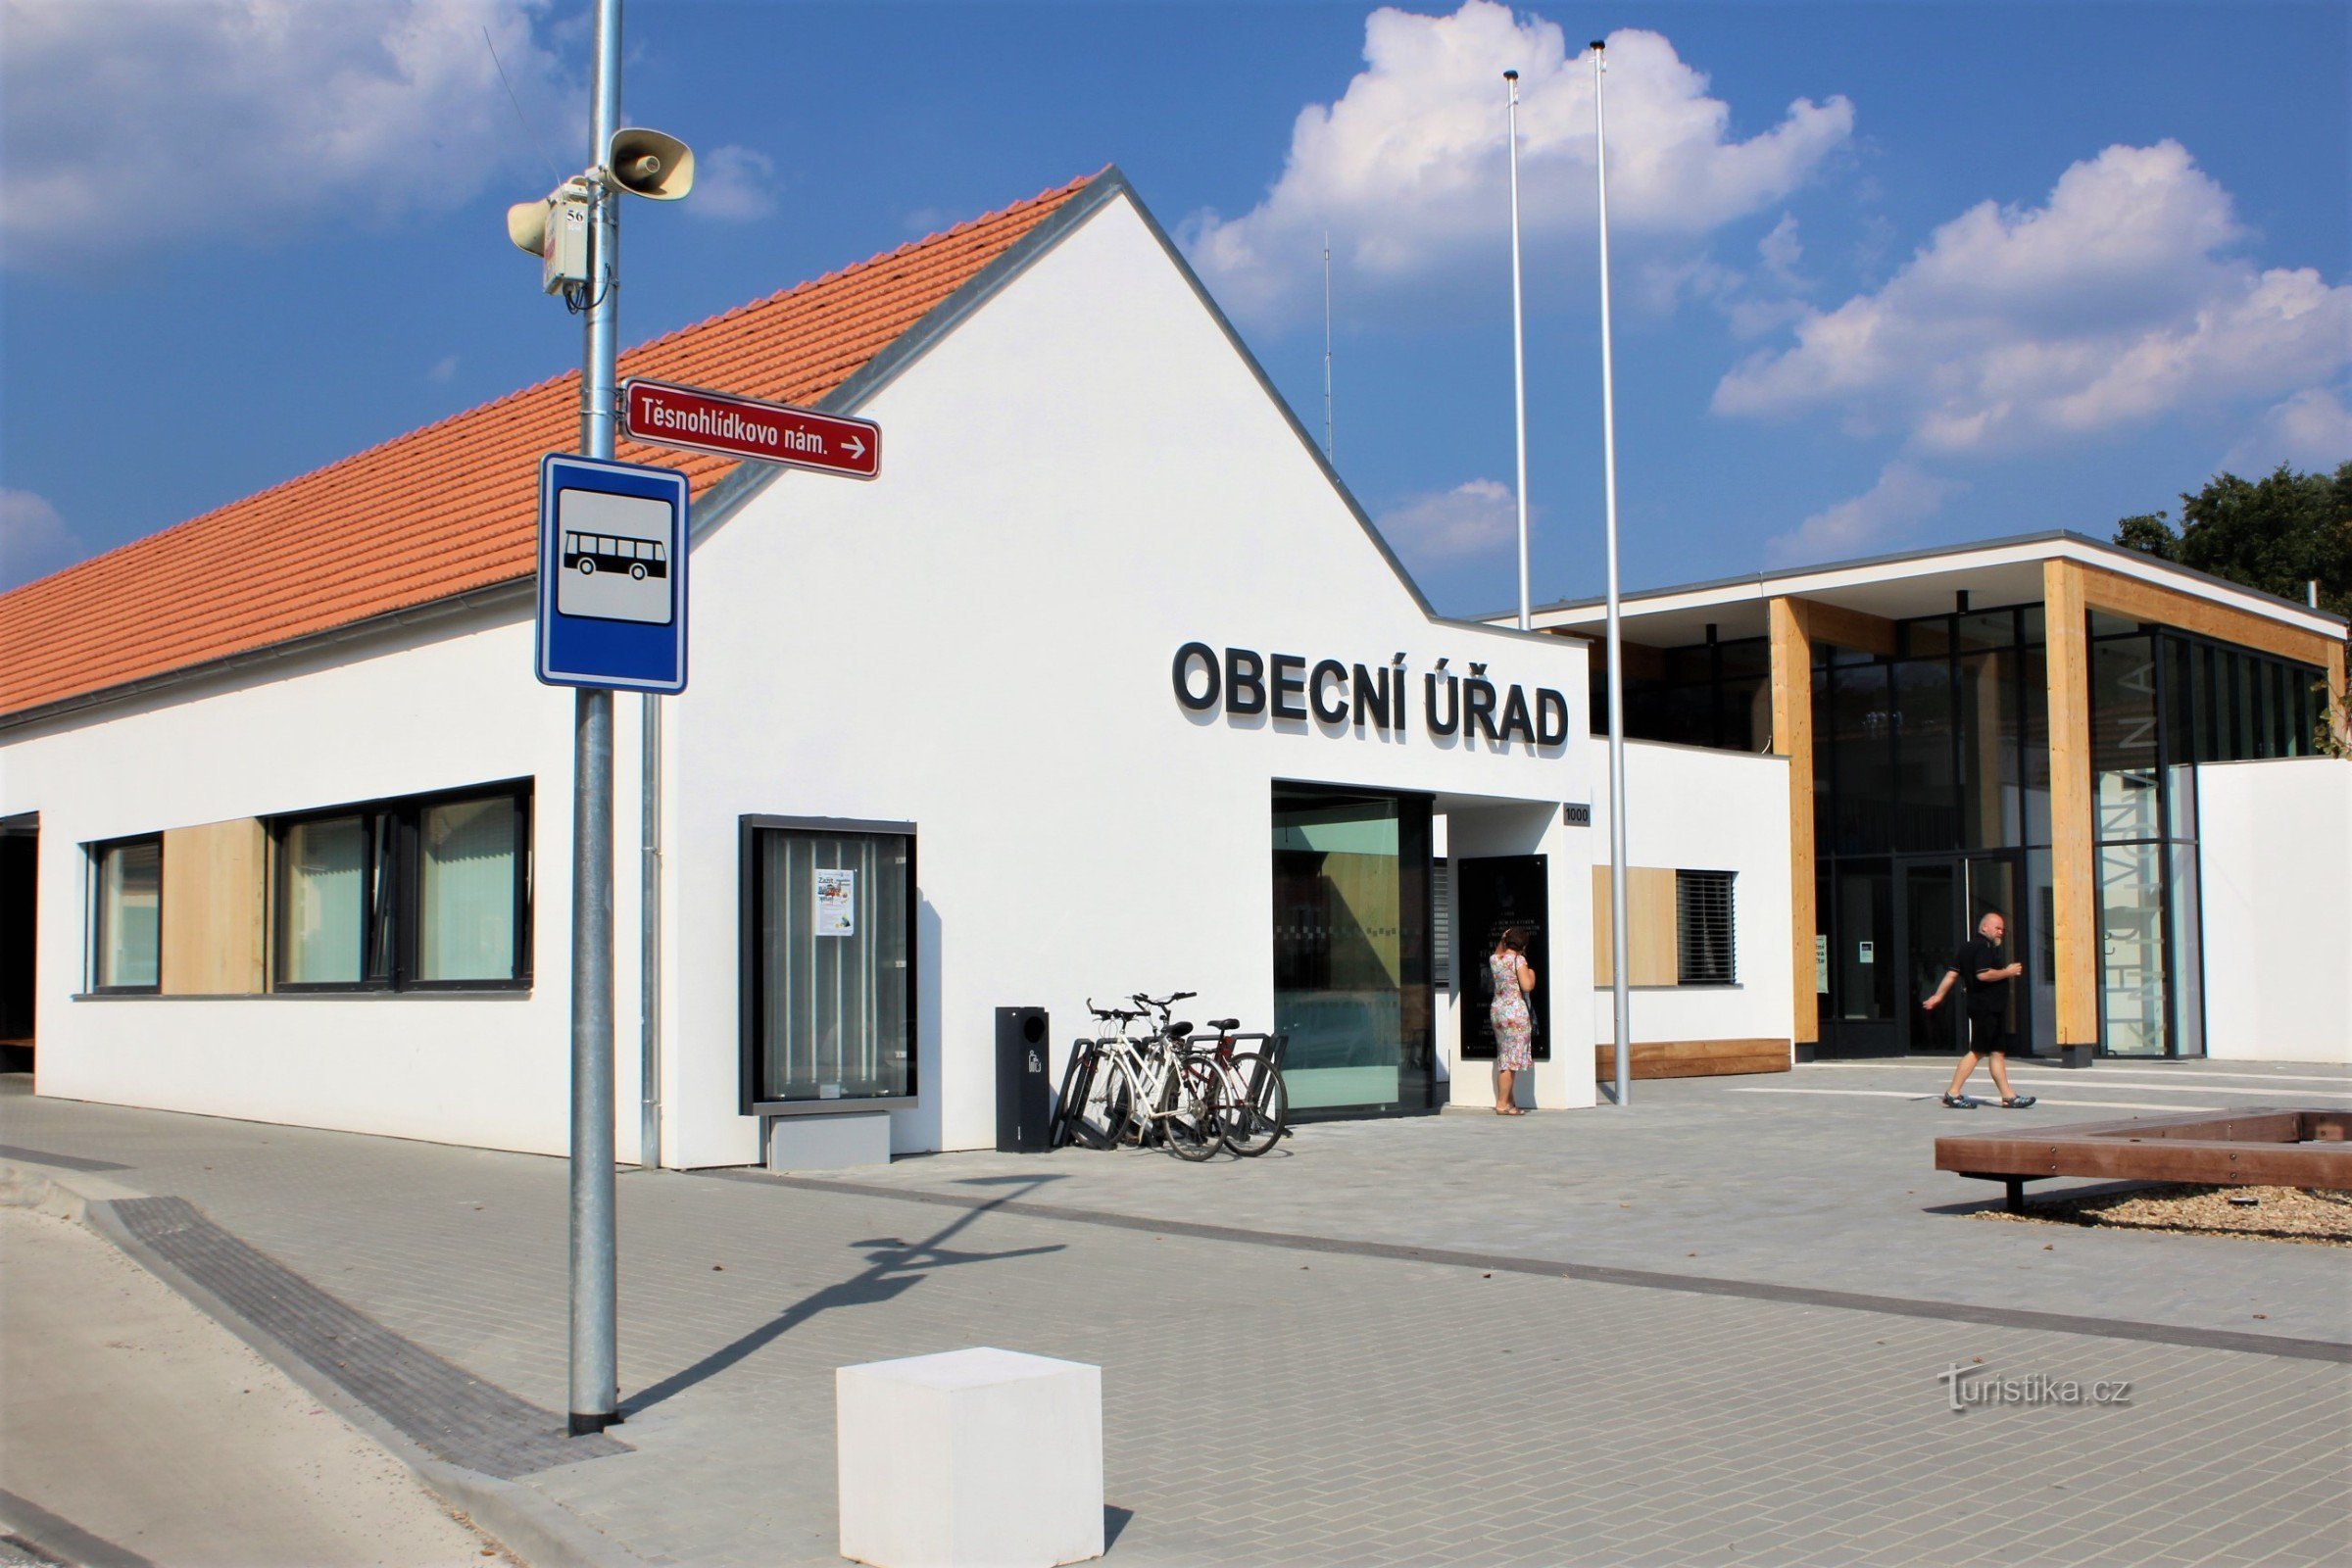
(745, 427)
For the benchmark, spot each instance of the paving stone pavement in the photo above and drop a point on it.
(1265, 1404)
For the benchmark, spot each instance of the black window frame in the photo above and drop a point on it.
(750, 978)
(1693, 965)
(393, 826)
(98, 852)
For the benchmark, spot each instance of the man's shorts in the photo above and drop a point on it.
(1988, 1033)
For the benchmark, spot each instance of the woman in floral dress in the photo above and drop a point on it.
(1514, 1030)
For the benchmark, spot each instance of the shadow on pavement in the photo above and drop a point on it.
(892, 1267)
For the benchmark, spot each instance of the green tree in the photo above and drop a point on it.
(2277, 534)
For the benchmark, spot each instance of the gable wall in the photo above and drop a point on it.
(1078, 482)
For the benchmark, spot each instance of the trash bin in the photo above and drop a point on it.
(1024, 1082)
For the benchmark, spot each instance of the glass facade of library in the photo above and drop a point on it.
(1931, 807)
(2160, 703)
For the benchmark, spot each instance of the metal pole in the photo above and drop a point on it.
(1329, 454)
(1620, 996)
(595, 1375)
(1518, 346)
(649, 955)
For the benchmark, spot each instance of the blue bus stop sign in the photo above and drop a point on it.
(612, 574)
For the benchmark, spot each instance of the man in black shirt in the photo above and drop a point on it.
(1985, 980)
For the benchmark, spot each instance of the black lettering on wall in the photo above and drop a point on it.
(1372, 697)
(1328, 670)
(1552, 717)
(1289, 686)
(1454, 712)
(1189, 656)
(1515, 720)
(1245, 682)
(1478, 702)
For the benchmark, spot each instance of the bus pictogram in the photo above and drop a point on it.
(591, 553)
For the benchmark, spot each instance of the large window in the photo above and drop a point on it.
(418, 894)
(128, 938)
(828, 963)
(1351, 948)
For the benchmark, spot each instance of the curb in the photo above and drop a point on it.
(535, 1527)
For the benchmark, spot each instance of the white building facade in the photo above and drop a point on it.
(1105, 685)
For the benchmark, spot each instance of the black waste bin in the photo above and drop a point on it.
(1024, 1082)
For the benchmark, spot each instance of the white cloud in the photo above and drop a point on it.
(1904, 496)
(35, 540)
(2116, 302)
(1409, 168)
(138, 123)
(2311, 431)
(733, 186)
(1475, 519)
(1781, 251)
(445, 369)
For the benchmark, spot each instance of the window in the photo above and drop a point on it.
(1702, 922)
(128, 939)
(433, 890)
(828, 962)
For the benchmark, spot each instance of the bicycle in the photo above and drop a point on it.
(1256, 1102)
(1124, 1089)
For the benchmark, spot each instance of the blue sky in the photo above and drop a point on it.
(1888, 274)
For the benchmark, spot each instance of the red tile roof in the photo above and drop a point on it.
(126, 615)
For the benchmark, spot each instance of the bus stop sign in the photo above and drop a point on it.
(612, 574)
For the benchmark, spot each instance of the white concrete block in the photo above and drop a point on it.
(979, 1458)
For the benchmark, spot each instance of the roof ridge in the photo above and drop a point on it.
(503, 398)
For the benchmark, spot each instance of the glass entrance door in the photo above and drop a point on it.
(1930, 900)
(1351, 950)
(1939, 901)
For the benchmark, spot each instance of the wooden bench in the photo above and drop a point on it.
(2251, 1146)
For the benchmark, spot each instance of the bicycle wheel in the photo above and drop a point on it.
(1122, 1101)
(1195, 1128)
(1257, 1109)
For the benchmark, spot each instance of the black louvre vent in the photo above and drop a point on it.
(1702, 919)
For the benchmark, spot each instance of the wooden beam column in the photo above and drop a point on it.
(2073, 850)
(1793, 738)
(2339, 704)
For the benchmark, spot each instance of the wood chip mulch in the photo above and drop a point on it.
(2315, 1218)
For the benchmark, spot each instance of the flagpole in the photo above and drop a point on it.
(1518, 345)
(1330, 453)
(1620, 994)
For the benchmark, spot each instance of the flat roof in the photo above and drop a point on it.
(1914, 582)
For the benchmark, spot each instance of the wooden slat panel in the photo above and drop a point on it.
(2073, 862)
(2135, 600)
(1793, 738)
(1652, 951)
(211, 922)
(1696, 1058)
